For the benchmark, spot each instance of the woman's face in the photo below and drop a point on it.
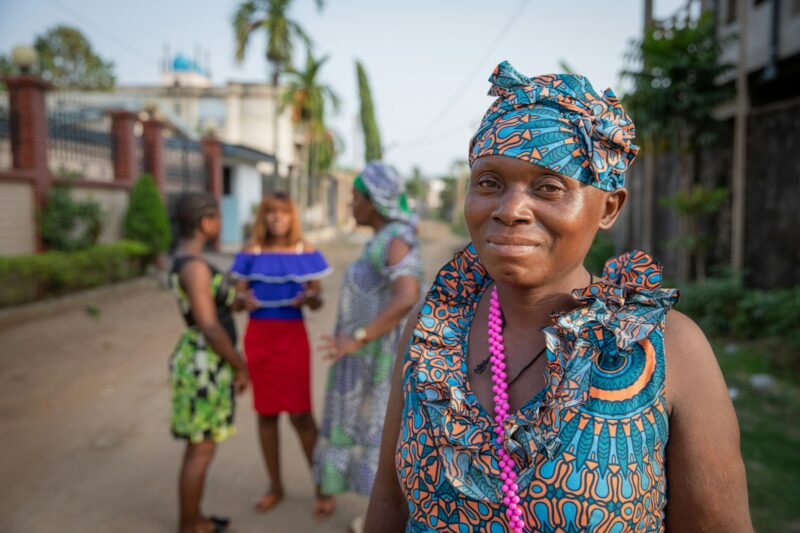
(279, 221)
(362, 208)
(532, 226)
(210, 225)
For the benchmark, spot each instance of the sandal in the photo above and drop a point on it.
(267, 502)
(324, 506)
(221, 524)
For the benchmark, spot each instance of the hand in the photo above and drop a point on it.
(241, 379)
(305, 297)
(335, 348)
(246, 300)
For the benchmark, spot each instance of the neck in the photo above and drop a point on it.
(276, 242)
(523, 306)
(379, 223)
(193, 245)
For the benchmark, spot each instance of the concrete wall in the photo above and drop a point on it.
(247, 188)
(113, 202)
(17, 230)
(759, 34)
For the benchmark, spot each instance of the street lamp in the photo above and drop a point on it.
(24, 57)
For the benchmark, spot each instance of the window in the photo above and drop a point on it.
(227, 181)
(731, 15)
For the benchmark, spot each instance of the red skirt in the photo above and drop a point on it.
(279, 360)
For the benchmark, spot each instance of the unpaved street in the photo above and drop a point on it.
(84, 414)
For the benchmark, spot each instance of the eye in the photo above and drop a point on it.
(550, 186)
(487, 182)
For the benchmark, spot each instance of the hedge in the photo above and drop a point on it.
(28, 278)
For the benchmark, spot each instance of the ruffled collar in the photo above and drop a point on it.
(614, 313)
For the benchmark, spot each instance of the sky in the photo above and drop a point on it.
(427, 60)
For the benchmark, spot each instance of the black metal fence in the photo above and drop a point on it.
(80, 139)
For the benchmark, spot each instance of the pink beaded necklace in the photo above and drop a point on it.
(501, 408)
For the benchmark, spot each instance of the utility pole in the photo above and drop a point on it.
(740, 144)
(648, 189)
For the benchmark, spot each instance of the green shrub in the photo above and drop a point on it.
(713, 303)
(722, 305)
(68, 224)
(146, 220)
(602, 249)
(28, 278)
(774, 313)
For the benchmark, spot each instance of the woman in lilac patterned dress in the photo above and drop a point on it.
(378, 290)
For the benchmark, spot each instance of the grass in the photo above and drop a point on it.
(770, 430)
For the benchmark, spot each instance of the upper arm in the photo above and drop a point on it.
(706, 483)
(387, 499)
(403, 285)
(195, 278)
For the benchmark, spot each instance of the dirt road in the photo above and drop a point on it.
(84, 413)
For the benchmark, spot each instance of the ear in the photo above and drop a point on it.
(612, 206)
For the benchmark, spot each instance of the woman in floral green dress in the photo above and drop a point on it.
(205, 370)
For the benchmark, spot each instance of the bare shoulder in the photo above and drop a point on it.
(398, 248)
(251, 248)
(308, 247)
(691, 366)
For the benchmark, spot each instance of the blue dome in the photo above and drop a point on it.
(181, 63)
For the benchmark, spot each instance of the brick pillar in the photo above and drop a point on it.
(153, 147)
(212, 154)
(29, 133)
(123, 145)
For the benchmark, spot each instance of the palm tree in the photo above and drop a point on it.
(270, 16)
(308, 97)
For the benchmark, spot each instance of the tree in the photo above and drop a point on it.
(307, 96)
(372, 137)
(146, 220)
(282, 33)
(67, 60)
(675, 68)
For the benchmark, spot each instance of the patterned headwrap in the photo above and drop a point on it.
(381, 184)
(557, 121)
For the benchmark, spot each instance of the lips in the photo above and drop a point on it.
(511, 245)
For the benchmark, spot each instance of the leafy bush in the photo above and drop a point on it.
(713, 303)
(27, 278)
(774, 313)
(146, 220)
(721, 305)
(68, 224)
(602, 249)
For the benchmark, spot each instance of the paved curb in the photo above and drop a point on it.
(80, 300)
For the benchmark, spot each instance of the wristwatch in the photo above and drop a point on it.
(360, 334)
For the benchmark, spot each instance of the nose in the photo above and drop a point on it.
(514, 208)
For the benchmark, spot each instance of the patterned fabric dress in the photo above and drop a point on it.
(589, 449)
(203, 403)
(346, 455)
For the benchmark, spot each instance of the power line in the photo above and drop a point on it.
(459, 93)
(108, 34)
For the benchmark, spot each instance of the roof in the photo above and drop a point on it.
(245, 152)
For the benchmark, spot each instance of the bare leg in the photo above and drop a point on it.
(307, 432)
(192, 478)
(268, 434)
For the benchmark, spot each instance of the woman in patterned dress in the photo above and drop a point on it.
(378, 291)
(205, 369)
(607, 413)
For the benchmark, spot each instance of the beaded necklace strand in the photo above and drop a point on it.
(501, 407)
